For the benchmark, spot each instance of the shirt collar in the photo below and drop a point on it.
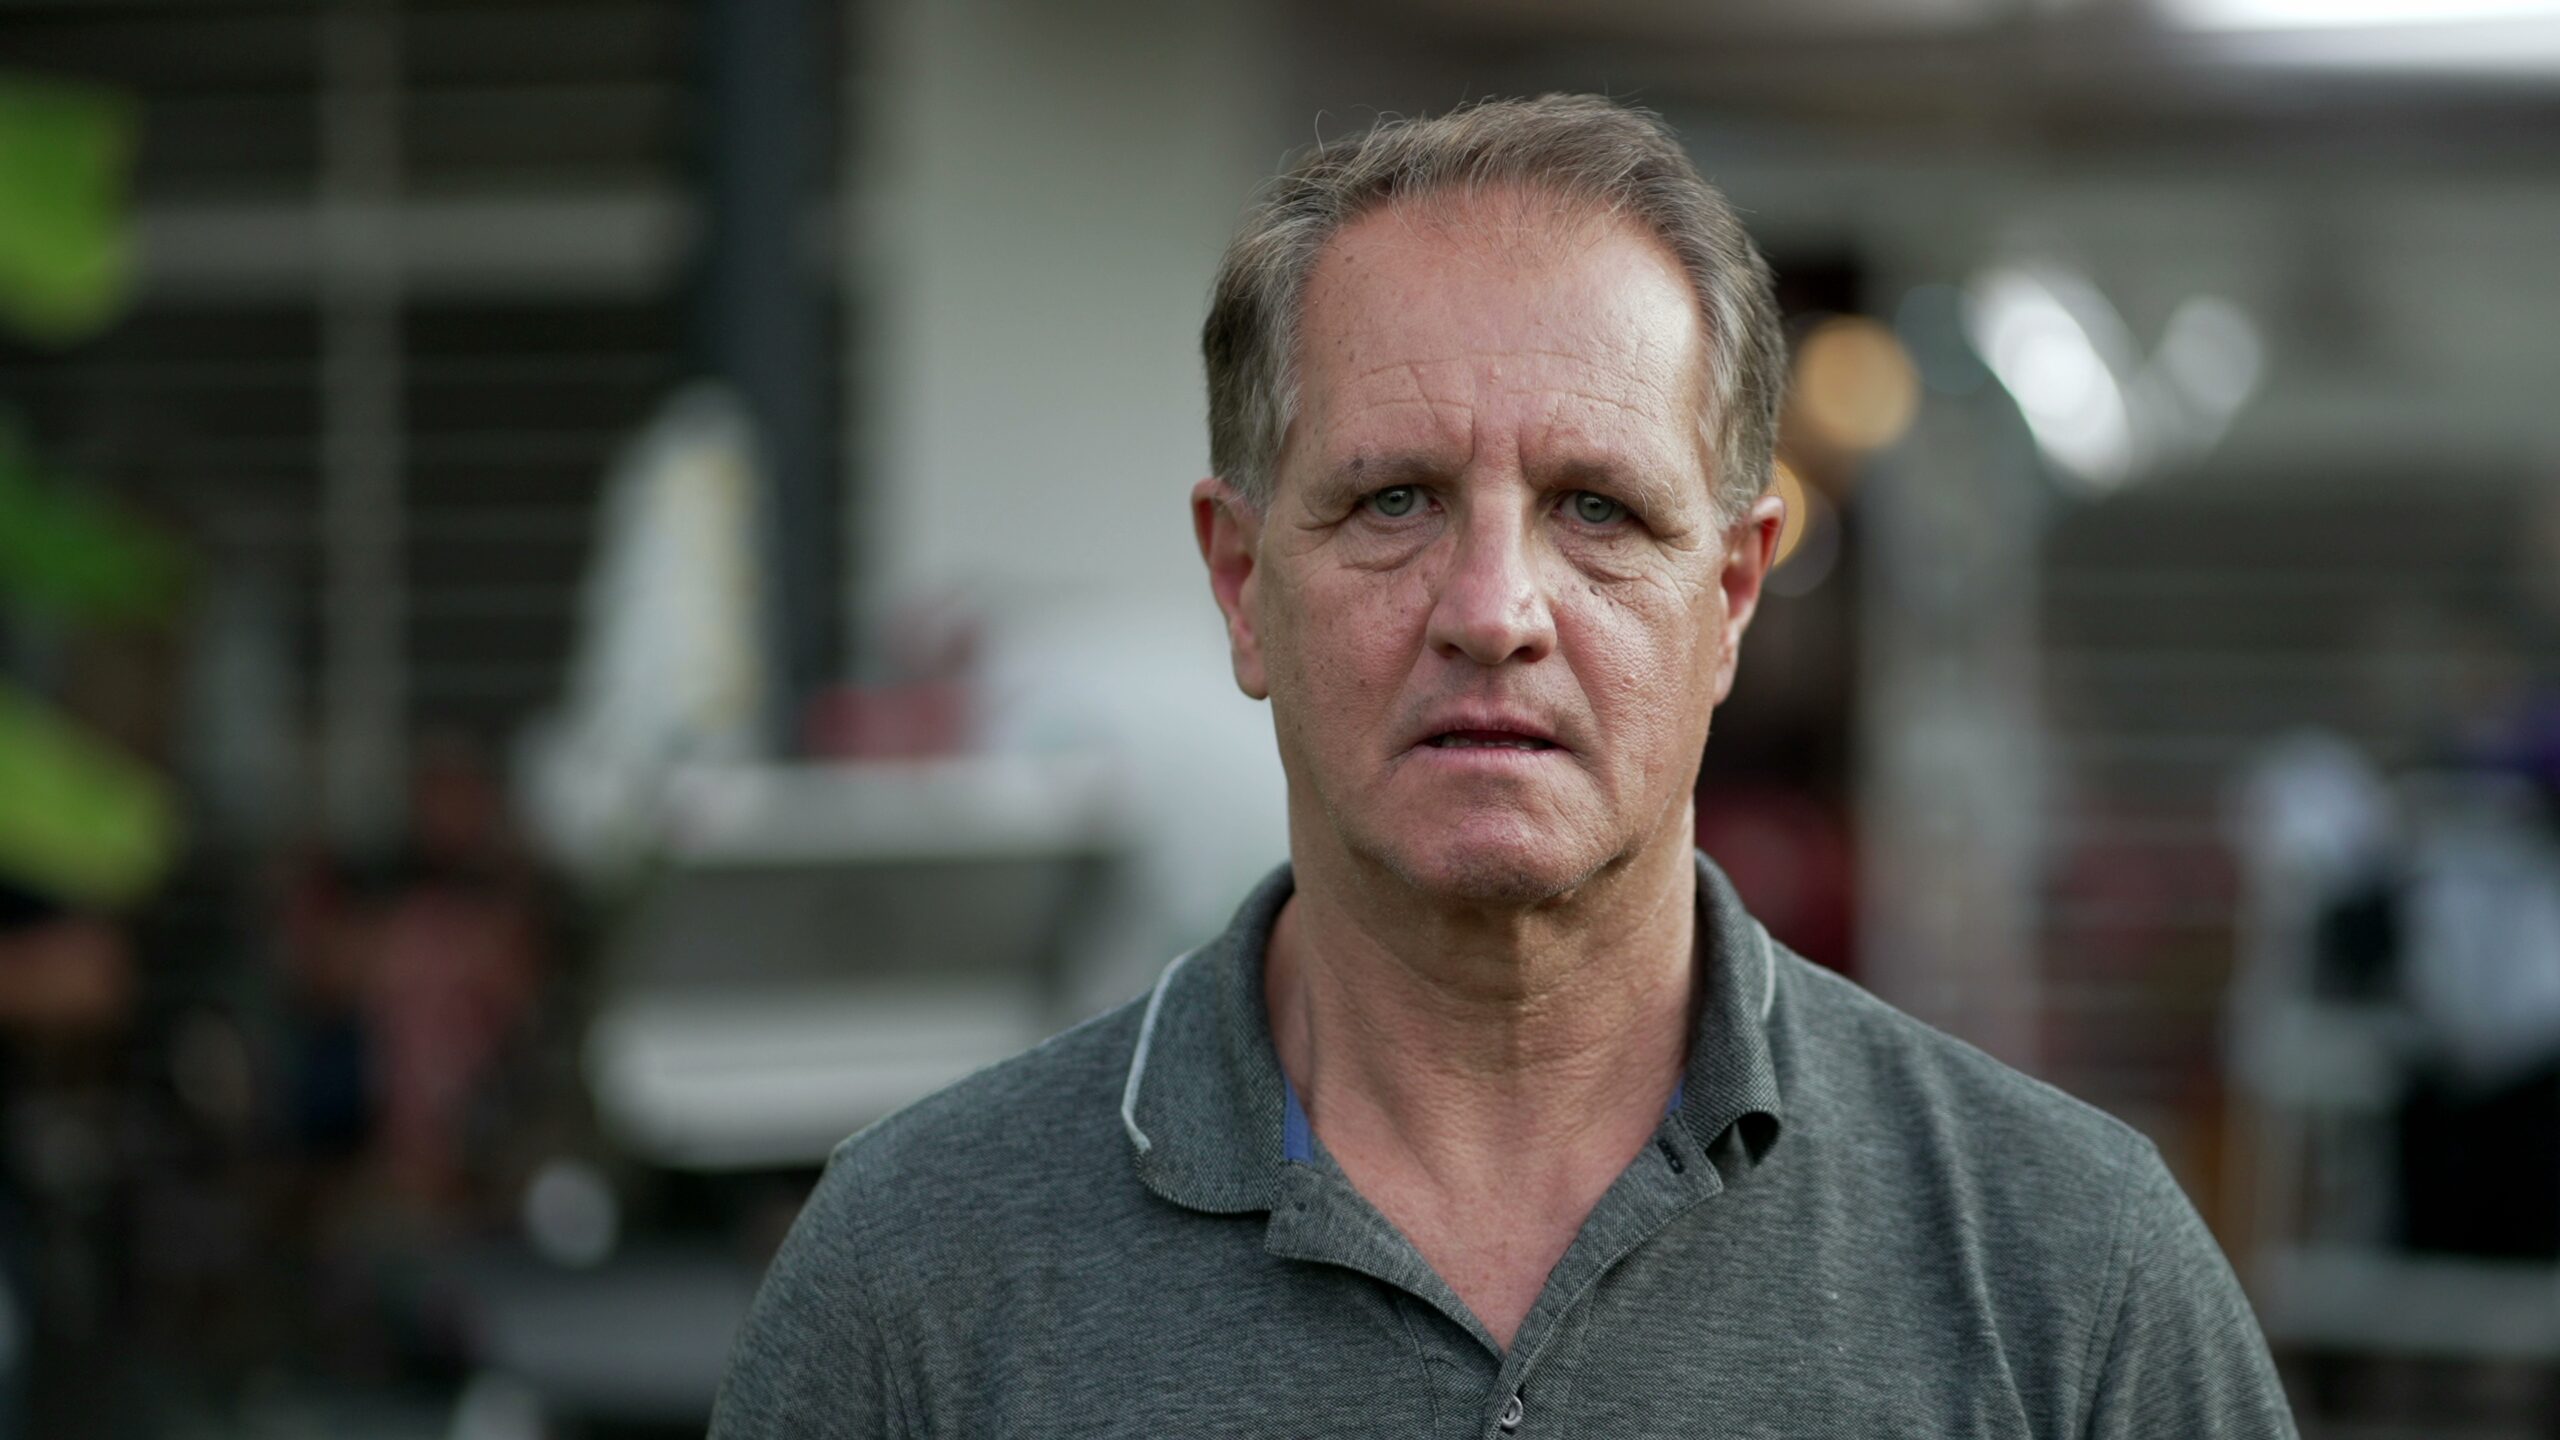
(1204, 1103)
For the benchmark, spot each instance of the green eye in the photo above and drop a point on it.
(1596, 509)
(1396, 501)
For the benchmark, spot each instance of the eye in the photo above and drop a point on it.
(1396, 501)
(1592, 508)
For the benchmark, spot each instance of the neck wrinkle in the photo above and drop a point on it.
(1425, 1044)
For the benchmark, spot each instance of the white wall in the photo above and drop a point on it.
(1048, 189)
(1053, 185)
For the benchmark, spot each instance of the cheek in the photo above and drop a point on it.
(1647, 663)
(1357, 632)
(1338, 649)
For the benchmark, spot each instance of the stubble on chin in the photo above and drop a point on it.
(1452, 868)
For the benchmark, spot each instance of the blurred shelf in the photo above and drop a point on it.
(2325, 1057)
(966, 808)
(640, 1339)
(825, 943)
(2398, 1303)
(775, 1076)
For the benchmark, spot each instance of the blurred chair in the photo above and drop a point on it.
(816, 946)
(2382, 998)
(824, 943)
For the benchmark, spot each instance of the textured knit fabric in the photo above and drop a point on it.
(1850, 1225)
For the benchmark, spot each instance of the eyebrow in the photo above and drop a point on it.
(1651, 491)
(1367, 470)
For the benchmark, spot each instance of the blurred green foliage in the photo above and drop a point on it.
(78, 821)
(66, 152)
(66, 250)
(73, 555)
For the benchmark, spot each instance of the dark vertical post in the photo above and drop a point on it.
(364, 667)
(760, 323)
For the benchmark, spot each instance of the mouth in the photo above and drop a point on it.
(1487, 740)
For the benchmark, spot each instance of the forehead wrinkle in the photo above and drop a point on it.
(1640, 407)
(1450, 406)
(1666, 403)
(1416, 365)
(1624, 422)
(1624, 453)
(1416, 389)
(1410, 369)
(1562, 450)
(1392, 452)
(1624, 410)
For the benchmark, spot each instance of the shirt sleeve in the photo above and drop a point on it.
(2185, 1356)
(812, 1358)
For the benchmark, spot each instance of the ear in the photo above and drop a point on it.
(1750, 552)
(1230, 535)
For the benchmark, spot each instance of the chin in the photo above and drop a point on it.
(1469, 866)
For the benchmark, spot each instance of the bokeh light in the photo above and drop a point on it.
(1855, 388)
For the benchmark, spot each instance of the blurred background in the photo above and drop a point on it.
(593, 595)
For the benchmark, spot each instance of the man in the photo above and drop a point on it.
(1493, 1113)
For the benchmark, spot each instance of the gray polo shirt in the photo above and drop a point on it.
(1848, 1225)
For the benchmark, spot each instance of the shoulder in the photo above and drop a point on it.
(1059, 1077)
(1053, 1108)
(1028, 1143)
(1850, 1060)
(2039, 1197)
(941, 1201)
(2058, 1225)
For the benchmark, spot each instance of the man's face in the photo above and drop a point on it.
(1490, 599)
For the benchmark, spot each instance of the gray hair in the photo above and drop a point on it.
(1589, 151)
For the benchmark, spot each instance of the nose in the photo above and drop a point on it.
(1492, 603)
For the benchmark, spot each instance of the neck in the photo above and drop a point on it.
(1469, 1038)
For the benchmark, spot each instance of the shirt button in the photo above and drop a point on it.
(1512, 1411)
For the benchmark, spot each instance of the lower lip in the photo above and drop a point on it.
(1504, 755)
